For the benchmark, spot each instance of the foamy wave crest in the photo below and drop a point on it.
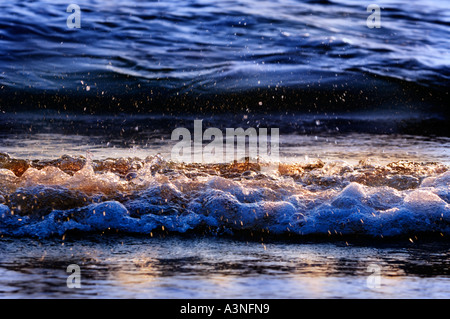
(154, 196)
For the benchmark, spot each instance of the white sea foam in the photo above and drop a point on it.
(310, 199)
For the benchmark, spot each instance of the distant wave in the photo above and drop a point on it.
(194, 55)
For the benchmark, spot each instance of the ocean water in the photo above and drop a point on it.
(230, 56)
(87, 177)
(172, 267)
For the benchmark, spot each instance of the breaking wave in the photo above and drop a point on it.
(153, 196)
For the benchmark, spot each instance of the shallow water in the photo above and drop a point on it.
(124, 267)
(384, 136)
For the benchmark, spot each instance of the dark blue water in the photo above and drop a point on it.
(179, 56)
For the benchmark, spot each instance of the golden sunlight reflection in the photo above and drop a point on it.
(136, 273)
